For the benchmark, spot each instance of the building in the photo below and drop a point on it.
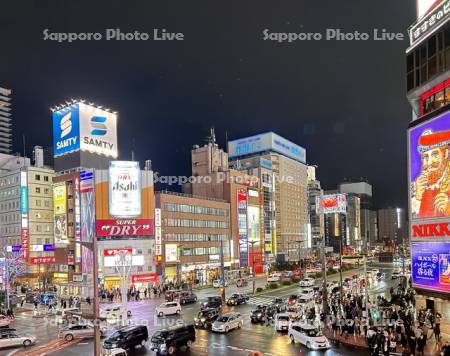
(428, 91)
(316, 228)
(283, 165)
(5, 121)
(196, 237)
(26, 217)
(363, 191)
(391, 226)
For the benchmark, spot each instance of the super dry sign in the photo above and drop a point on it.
(124, 227)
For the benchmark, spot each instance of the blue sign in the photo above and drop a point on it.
(23, 200)
(49, 247)
(66, 130)
(430, 264)
(16, 248)
(266, 142)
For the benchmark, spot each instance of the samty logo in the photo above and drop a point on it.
(66, 124)
(98, 126)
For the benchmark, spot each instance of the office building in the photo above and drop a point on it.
(391, 226)
(5, 121)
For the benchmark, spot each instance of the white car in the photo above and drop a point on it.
(11, 339)
(169, 308)
(294, 311)
(80, 332)
(114, 352)
(307, 282)
(308, 335)
(282, 322)
(273, 278)
(112, 313)
(217, 283)
(307, 292)
(228, 322)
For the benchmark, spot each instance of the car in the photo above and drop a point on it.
(309, 292)
(237, 299)
(169, 341)
(79, 331)
(206, 318)
(172, 295)
(187, 297)
(396, 274)
(241, 282)
(307, 282)
(212, 302)
(228, 322)
(308, 335)
(257, 315)
(273, 278)
(127, 337)
(380, 276)
(217, 283)
(12, 339)
(113, 352)
(282, 321)
(168, 308)
(279, 304)
(288, 274)
(292, 300)
(294, 311)
(4, 321)
(305, 302)
(112, 314)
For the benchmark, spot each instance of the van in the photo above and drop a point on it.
(127, 337)
(169, 341)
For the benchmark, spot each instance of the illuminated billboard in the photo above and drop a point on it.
(429, 168)
(24, 214)
(430, 264)
(84, 127)
(171, 252)
(253, 223)
(59, 199)
(331, 203)
(126, 179)
(124, 189)
(61, 239)
(268, 141)
(423, 6)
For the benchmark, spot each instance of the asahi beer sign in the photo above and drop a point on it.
(124, 189)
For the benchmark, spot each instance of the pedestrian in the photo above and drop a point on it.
(35, 305)
(145, 293)
(445, 349)
(88, 300)
(412, 343)
(421, 343)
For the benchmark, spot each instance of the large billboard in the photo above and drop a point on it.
(84, 127)
(268, 141)
(429, 168)
(60, 216)
(124, 189)
(253, 223)
(126, 222)
(24, 214)
(331, 203)
(59, 198)
(430, 264)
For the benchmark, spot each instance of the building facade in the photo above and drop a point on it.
(5, 121)
(316, 228)
(195, 234)
(391, 225)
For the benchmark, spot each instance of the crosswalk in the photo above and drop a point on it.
(261, 300)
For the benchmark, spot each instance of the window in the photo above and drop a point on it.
(38, 190)
(46, 190)
(37, 177)
(45, 178)
(38, 202)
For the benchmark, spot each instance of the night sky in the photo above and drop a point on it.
(344, 101)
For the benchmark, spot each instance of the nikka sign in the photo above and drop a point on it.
(431, 230)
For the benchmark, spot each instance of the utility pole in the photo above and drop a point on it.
(253, 265)
(123, 267)
(222, 269)
(324, 286)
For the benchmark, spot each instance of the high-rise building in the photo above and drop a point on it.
(281, 165)
(26, 218)
(316, 221)
(363, 191)
(391, 225)
(428, 91)
(5, 121)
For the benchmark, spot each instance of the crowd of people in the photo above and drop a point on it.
(385, 326)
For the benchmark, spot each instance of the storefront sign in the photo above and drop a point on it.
(42, 260)
(124, 227)
(144, 278)
(431, 230)
(77, 278)
(115, 251)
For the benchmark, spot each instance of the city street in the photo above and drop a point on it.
(253, 337)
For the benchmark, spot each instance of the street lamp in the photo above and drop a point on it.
(123, 262)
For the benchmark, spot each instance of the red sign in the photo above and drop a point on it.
(70, 260)
(115, 251)
(42, 260)
(124, 227)
(144, 278)
(431, 230)
(25, 242)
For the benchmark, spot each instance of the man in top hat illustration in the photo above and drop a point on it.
(431, 189)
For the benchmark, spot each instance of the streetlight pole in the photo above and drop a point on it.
(123, 267)
(324, 286)
(253, 265)
(222, 269)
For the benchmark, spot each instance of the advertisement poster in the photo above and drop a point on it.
(124, 189)
(332, 203)
(61, 231)
(59, 199)
(171, 253)
(430, 265)
(429, 168)
(253, 223)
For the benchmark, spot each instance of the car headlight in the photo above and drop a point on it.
(203, 320)
(113, 345)
(259, 314)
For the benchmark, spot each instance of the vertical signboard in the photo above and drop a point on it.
(87, 218)
(124, 189)
(242, 203)
(158, 237)
(60, 214)
(429, 203)
(24, 213)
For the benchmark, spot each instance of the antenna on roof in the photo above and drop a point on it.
(212, 136)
